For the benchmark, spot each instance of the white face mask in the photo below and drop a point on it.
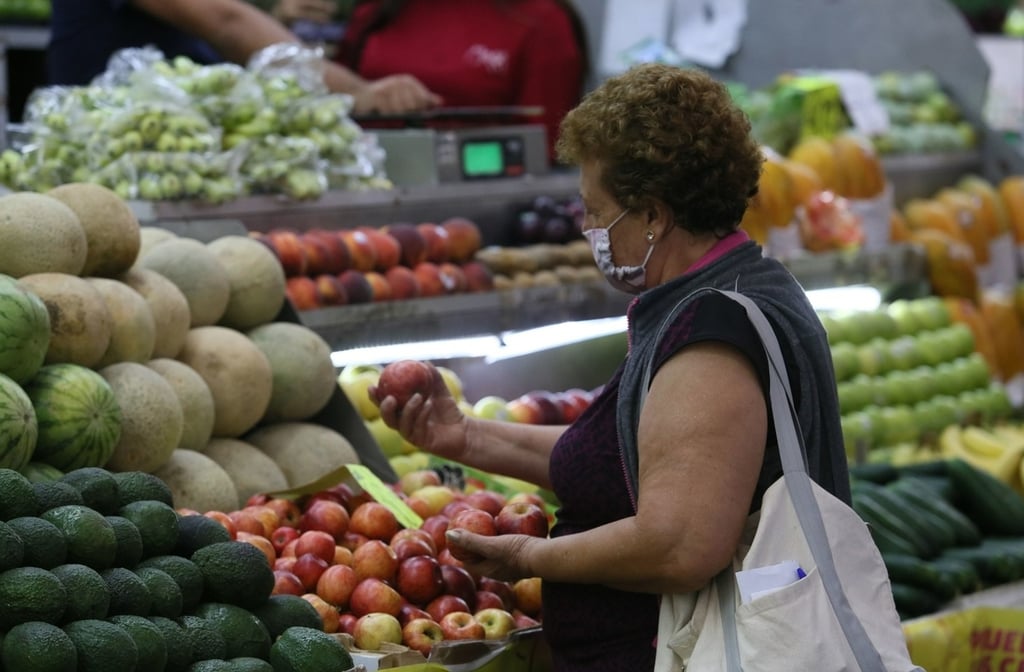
(629, 279)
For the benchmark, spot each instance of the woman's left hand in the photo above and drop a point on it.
(505, 557)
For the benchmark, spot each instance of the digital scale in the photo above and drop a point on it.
(461, 145)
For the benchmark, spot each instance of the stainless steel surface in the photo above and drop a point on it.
(922, 175)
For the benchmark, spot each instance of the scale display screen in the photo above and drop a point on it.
(485, 158)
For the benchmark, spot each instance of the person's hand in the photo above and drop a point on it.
(433, 422)
(394, 94)
(505, 557)
(318, 11)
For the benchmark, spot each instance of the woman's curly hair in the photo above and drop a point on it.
(672, 134)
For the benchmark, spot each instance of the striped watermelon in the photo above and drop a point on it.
(37, 472)
(79, 417)
(24, 331)
(18, 426)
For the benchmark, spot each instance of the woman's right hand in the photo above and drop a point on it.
(433, 422)
(394, 94)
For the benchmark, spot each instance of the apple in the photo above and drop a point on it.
(347, 623)
(415, 533)
(528, 595)
(410, 547)
(527, 497)
(326, 516)
(289, 549)
(404, 284)
(286, 583)
(319, 543)
(414, 246)
(245, 520)
(521, 518)
(525, 409)
(419, 579)
(375, 559)
(445, 604)
(374, 520)
(284, 563)
(486, 500)
(260, 542)
(362, 252)
(522, 620)
(355, 381)
(288, 512)
(436, 238)
(421, 634)
(282, 536)
(445, 557)
(429, 277)
(464, 238)
(472, 520)
(412, 481)
(267, 517)
(551, 412)
(497, 622)
(436, 497)
(374, 629)
(491, 407)
(479, 277)
(461, 625)
(225, 521)
(485, 599)
(342, 556)
(353, 541)
(503, 589)
(372, 595)
(403, 379)
(454, 507)
(436, 526)
(452, 382)
(328, 614)
(357, 287)
(336, 584)
(309, 568)
(302, 292)
(459, 583)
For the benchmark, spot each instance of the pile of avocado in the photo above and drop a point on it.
(99, 573)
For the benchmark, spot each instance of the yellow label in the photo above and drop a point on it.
(382, 493)
(822, 112)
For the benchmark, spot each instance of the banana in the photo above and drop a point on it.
(983, 443)
(999, 457)
(951, 443)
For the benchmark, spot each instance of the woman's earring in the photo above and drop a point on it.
(650, 236)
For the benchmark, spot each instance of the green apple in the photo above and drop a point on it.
(389, 440)
(903, 353)
(961, 339)
(491, 407)
(452, 382)
(874, 357)
(355, 381)
(857, 435)
(898, 425)
(845, 360)
(904, 316)
(930, 312)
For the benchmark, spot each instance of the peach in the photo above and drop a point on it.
(453, 278)
(479, 277)
(464, 238)
(303, 293)
(437, 241)
(357, 288)
(404, 283)
(389, 250)
(414, 246)
(429, 277)
(330, 291)
(379, 286)
(361, 250)
(288, 248)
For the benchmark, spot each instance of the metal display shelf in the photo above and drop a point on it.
(922, 175)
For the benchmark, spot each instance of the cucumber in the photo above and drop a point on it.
(965, 532)
(914, 601)
(877, 515)
(994, 565)
(941, 486)
(992, 504)
(873, 472)
(936, 534)
(914, 571)
(888, 541)
(962, 572)
(929, 468)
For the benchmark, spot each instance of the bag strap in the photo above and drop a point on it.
(798, 484)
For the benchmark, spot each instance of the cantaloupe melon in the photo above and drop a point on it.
(80, 322)
(251, 470)
(304, 376)
(237, 373)
(197, 273)
(168, 305)
(111, 228)
(198, 483)
(195, 398)
(151, 236)
(151, 417)
(133, 330)
(257, 281)
(305, 451)
(39, 234)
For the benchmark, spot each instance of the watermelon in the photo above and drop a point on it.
(25, 331)
(79, 417)
(18, 426)
(37, 472)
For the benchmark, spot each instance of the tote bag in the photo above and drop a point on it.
(839, 617)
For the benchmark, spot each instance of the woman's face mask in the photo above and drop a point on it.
(630, 279)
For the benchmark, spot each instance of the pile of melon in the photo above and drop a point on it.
(134, 349)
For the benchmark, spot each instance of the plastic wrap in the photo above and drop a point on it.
(286, 165)
(210, 177)
(152, 127)
(290, 70)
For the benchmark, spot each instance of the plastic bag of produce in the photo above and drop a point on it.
(289, 71)
(363, 168)
(284, 165)
(210, 177)
(152, 127)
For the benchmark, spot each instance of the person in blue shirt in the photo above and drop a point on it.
(85, 33)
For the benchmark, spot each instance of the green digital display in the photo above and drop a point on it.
(483, 159)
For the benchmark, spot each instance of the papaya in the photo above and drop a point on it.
(966, 210)
(951, 270)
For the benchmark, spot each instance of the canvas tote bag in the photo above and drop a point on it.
(839, 617)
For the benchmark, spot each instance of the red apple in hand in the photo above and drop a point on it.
(471, 520)
(419, 579)
(403, 379)
(461, 625)
(497, 622)
(521, 518)
(420, 634)
(374, 629)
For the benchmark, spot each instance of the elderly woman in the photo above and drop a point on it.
(655, 500)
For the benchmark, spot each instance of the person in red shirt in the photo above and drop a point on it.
(474, 52)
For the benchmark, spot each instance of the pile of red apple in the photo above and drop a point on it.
(348, 556)
(395, 262)
(543, 407)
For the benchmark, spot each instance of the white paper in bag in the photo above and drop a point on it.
(707, 32)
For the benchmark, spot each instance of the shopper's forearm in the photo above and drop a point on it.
(514, 449)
